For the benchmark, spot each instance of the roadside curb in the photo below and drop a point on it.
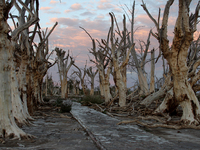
(97, 142)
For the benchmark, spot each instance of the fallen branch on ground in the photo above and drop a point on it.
(113, 100)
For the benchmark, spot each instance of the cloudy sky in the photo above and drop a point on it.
(93, 16)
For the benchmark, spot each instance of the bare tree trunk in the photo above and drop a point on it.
(19, 110)
(159, 94)
(176, 57)
(92, 76)
(21, 76)
(92, 89)
(106, 85)
(46, 85)
(83, 87)
(121, 89)
(168, 105)
(81, 77)
(77, 87)
(100, 86)
(102, 62)
(144, 89)
(152, 82)
(63, 69)
(8, 84)
(74, 86)
(64, 90)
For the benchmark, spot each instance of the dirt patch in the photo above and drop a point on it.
(53, 130)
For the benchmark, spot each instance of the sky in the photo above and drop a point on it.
(93, 15)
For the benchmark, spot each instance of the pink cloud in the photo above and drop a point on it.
(75, 39)
(54, 2)
(117, 9)
(98, 24)
(67, 11)
(49, 10)
(105, 1)
(45, 8)
(76, 6)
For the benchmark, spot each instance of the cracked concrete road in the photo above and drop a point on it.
(108, 135)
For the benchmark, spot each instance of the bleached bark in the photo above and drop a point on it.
(81, 77)
(159, 94)
(104, 67)
(177, 56)
(106, 84)
(22, 87)
(100, 86)
(41, 63)
(8, 127)
(119, 67)
(64, 90)
(7, 124)
(92, 76)
(166, 105)
(20, 112)
(144, 89)
(63, 68)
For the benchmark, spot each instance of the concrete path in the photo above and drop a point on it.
(108, 135)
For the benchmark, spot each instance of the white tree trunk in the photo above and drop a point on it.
(21, 76)
(106, 87)
(8, 127)
(166, 104)
(144, 89)
(187, 99)
(19, 110)
(107, 94)
(100, 85)
(120, 86)
(159, 94)
(64, 92)
(176, 56)
(92, 91)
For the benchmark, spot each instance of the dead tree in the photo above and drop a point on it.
(75, 84)
(103, 65)
(63, 68)
(40, 62)
(118, 48)
(176, 55)
(92, 75)
(81, 76)
(144, 90)
(8, 127)
(22, 57)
